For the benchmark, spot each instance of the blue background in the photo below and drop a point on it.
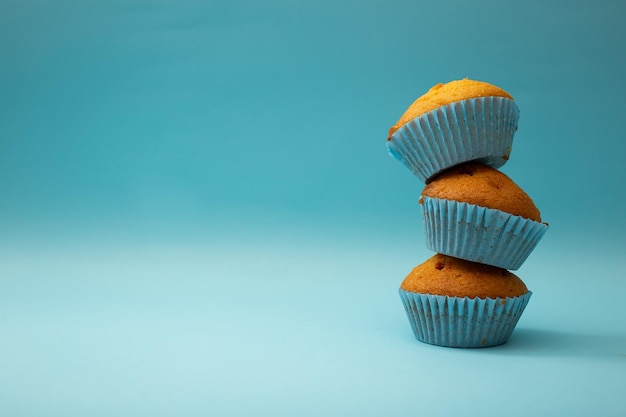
(198, 214)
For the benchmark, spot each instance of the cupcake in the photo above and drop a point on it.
(477, 213)
(456, 122)
(456, 303)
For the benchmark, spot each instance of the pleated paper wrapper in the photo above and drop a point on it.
(479, 129)
(463, 322)
(479, 234)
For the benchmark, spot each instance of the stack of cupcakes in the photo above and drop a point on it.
(478, 221)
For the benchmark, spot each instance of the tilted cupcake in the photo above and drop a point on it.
(456, 122)
(477, 213)
(456, 303)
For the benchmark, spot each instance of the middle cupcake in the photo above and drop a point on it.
(477, 213)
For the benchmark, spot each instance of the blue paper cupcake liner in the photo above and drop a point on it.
(461, 321)
(479, 129)
(479, 234)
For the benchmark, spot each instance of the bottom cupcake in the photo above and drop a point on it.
(457, 303)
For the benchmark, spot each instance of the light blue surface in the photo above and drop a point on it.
(303, 324)
(198, 214)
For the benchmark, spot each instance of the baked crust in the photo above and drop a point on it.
(445, 275)
(484, 186)
(442, 94)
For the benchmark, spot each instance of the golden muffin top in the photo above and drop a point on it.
(442, 94)
(483, 186)
(445, 275)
